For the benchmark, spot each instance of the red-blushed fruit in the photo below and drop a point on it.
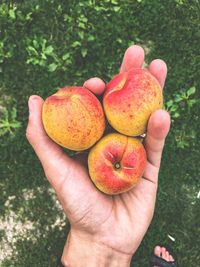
(74, 118)
(129, 100)
(116, 163)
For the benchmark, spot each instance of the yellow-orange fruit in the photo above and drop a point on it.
(129, 100)
(73, 117)
(116, 163)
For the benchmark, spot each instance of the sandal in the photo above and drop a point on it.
(158, 261)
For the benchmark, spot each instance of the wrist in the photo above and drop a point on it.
(82, 250)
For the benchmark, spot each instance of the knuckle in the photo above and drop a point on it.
(29, 133)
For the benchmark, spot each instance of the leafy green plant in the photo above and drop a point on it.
(43, 54)
(4, 51)
(184, 137)
(180, 107)
(181, 102)
(39, 52)
(9, 122)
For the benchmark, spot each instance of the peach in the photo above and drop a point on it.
(116, 163)
(74, 118)
(129, 100)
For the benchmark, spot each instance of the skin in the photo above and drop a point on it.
(105, 230)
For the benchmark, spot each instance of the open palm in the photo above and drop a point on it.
(120, 221)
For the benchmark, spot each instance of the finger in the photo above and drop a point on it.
(151, 173)
(49, 153)
(95, 85)
(157, 130)
(158, 69)
(133, 58)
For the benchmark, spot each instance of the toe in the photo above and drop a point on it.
(171, 258)
(163, 252)
(157, 251)
(167, 255)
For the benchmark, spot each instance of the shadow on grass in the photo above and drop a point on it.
(44, 252)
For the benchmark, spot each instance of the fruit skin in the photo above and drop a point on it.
(112, 151)
(129, 100)
(74, 118)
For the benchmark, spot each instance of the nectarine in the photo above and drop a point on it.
(129, 100)
(74, 118)
(116, 163)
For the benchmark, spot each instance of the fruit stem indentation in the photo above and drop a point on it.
(117, 165)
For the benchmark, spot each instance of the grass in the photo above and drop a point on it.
(33, 228)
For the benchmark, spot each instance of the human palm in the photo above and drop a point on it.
(119, 221)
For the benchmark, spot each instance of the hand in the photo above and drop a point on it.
(110, 227)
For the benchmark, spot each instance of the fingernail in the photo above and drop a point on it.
(31, 104)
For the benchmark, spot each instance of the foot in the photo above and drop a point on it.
(163, 253)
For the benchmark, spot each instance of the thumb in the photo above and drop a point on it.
(49, 153)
